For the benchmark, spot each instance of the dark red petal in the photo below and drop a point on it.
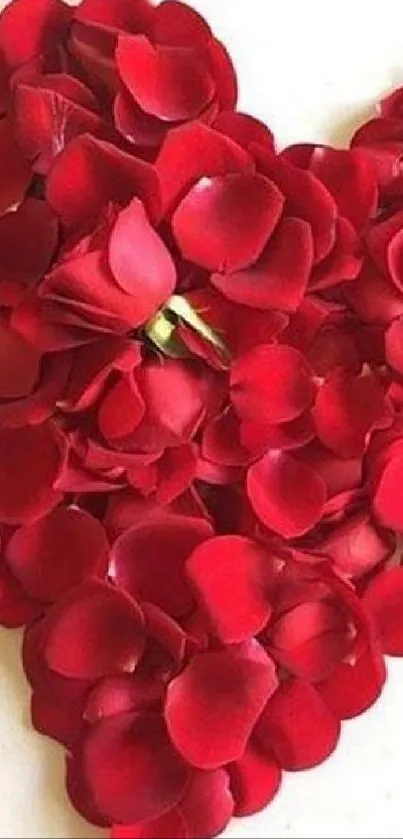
(163, 545)
(244, 129)
(383, 600)
(16, 170)
(62, 721)
(139, 128)
(132, 769)
(19, 364)
(279, 278)
(171, 83)
(16, 607)
(394, 345)
(140, 262)
(230, 575)
(272, 383)
(344, 261)
(28, 240)
(222, 693)
(93, 631)
(298, 727)
(79, 794)
(274, 490)
(89, 173)
(346, 410)
(352, 688)
(120, 694)
(207, 804)
(170, 825)
(195, 151)
(212, 228)
(255, 780)
(27, 29)
(30, 462)
(57, 552)
(373, 297)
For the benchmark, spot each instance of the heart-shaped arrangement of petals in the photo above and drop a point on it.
(201, 416)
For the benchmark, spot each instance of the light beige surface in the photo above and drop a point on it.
(310, 69)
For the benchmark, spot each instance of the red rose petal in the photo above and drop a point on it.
(27, 29)
(164, 546)
(279, 278)
(46, 121)
(170, 825)
(19, 364)
(346, 410)
(28, 240)
(244, 129)
(60, 721)
(93, 631)
(121, 410)
(230, 575)
(131, 15)
(223, 72)
(373, 298)
(30, 462)
(57, 552)
(207, 804)
(274, 490)
(383, 600)
(89, 173)
(120, 694)
(171, 83)
(79, 793)
(272, 382)
(222, 693)
(357, 546)
(387, 504)
(306, 198)
(298, 727)
(16, 607)
(394, 345)
(176, 24)
(132, 769)
(350, 178)
(195, 151)
(140, 262)
(16, 170)
(255, 780)
(213, 228)
(353, 688)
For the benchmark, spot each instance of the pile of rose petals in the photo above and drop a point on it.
(201, 416)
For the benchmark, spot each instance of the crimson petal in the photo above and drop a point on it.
(132, 769)
(273, 487)
(255, 780)
(224, 222)
(230, 575)
(383, 600)
(57, 552)
(162, 545)
(93, 631)
(223, 693)
(279, 278)
(298, 727)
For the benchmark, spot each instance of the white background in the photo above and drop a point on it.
(312, 70)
